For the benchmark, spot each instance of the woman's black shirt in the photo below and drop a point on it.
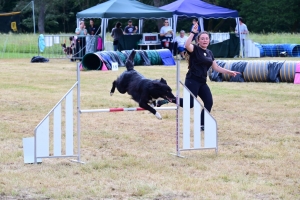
(199, 62)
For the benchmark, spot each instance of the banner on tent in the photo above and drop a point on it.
(10, 22)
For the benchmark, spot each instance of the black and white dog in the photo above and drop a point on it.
(142, 90)
(67, 50)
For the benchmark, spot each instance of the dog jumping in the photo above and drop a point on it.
(142, 90)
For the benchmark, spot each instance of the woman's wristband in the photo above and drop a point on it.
(193, 32)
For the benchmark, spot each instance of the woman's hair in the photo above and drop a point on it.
(201, 33)
(118, 24)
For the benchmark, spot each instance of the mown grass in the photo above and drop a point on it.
(126, 154)
(276, 38)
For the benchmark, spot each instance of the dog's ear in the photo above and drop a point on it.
(129, 62)
(163, 81)
(132, 55)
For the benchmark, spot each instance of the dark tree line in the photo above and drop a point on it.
(261, 16)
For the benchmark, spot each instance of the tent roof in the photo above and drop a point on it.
(124, 9)
(198, 8)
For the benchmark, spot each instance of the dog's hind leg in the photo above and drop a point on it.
(113, 88)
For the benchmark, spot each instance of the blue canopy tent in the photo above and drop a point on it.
(198, 9)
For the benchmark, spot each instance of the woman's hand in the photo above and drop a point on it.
(195, 28)
(233, 73)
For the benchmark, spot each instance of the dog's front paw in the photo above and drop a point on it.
(158, 116)
(111, 93)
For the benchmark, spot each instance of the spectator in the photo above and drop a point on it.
(130, 29)
(116, 33)
(93, 30)
(243, 31)
(181, 39)
(166, 35)
(81, 32)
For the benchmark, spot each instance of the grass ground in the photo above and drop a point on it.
(127, 155)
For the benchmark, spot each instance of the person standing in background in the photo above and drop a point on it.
(91, 39)
(81, 32)
(93, 30)
(130, 29)
(116, 33)
(244, 32)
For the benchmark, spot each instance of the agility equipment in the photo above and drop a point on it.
(210, 134)
(38, 147)
(125, 109)
(95, 61)
(274, 50)
(256, 71)
(287, 71)
(297, 75)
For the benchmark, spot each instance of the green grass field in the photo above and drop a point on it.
(127, 154)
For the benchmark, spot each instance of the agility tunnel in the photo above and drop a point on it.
(103, 59)
(275, 50)
(256, 71)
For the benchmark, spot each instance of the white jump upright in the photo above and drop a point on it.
(38, 147)
(210, 135)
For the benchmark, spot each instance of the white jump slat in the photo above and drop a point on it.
(57, 131)
(186, 119)
(42, 139)
(197, 118)
(210, 132)
(69, 123)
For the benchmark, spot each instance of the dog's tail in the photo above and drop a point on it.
(129, 62)
(113, 88)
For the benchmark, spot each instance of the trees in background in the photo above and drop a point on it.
(267, 16)
(260, 15)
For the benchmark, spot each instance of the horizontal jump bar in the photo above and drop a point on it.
(124, 109)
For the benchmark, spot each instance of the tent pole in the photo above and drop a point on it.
(33, 18)
(175, 17)
(201, 23)
(141, 21)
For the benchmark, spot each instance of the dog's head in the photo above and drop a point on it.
(64, 47)
(129, 62)
(160, 89)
